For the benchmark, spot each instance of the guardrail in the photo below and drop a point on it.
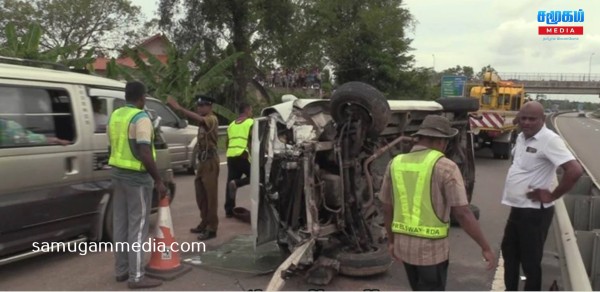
(223, 130)
(579, 273)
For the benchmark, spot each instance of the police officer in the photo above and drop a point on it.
(207, 174)
(238, 163)
(132, 157)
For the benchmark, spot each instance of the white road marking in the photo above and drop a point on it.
(595, 120)
(498, 282)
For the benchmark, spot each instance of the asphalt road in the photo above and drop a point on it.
(95, 271)
(583, 136)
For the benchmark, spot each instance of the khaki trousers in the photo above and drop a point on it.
(207, 190)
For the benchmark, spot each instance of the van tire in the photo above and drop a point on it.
(369, 263)
(459, 104)
(365, 96)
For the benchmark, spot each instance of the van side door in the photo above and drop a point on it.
(44, 195)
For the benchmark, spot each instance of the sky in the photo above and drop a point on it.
(502, 33)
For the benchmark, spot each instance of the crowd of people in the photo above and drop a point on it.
(293, 78)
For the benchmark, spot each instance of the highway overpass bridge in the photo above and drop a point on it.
(556, 83)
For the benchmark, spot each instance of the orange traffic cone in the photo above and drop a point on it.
(165, 263)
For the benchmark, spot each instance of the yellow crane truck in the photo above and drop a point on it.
(492, 125)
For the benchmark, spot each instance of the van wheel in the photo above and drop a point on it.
(459, 104)
(376, 261)
(351, 97)
(193, 162)
(108, 222)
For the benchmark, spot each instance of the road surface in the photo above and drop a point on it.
(583, 136)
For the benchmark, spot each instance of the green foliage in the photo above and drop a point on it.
(483, 70)
(419, 84)
(466, 71)
(75, 24)
(175, 78)
(365, 41)
(27, 46)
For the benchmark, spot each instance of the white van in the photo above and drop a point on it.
(50, 192)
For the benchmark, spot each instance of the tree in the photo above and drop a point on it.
(79, 23)
(466, 71)
(256, 28)
(27, 46)
(175, 77)
(483, 70)
(365, 40)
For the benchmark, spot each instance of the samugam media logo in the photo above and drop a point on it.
(555, 17)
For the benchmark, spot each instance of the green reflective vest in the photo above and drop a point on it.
(413, 209)
(238, 137)
(121, 154)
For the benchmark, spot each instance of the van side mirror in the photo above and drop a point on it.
(152, 114)
(182, 123)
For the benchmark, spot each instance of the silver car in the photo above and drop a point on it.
(178, 134)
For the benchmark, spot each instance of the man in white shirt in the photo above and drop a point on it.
(529, 191)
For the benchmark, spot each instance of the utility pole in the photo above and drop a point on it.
(590, 68)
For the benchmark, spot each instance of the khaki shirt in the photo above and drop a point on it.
(448, 190)
(208, 133)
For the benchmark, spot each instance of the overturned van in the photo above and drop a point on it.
(317, 166)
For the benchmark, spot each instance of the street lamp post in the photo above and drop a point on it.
(590, 68)
(433, 56)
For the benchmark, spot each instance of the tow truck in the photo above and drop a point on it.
(499, 102)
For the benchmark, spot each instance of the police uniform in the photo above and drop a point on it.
(207, 174)
(238, 163)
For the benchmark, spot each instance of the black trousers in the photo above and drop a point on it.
(523, 245)
(427, 278)
(238, 170)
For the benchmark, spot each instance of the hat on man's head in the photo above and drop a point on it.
(204, 100)
(436, 126)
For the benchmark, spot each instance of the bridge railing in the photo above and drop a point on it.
(523, 76)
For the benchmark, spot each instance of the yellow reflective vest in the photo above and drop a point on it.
(413, 209)
(238, 135)
(121, 154)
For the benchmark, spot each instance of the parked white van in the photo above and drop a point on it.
(53, 161)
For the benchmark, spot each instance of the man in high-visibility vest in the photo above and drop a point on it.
(238, 158)
(419, 191)
(133, 173)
